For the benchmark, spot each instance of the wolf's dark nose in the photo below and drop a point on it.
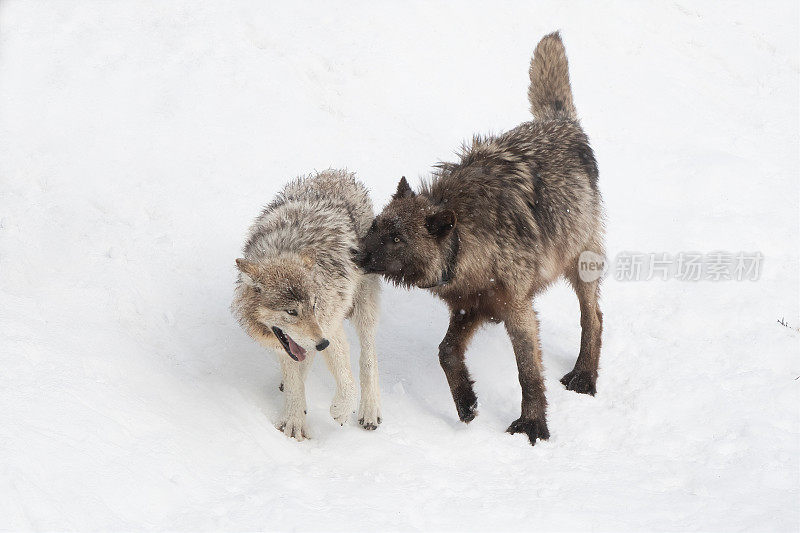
(362, 259)
(357, 255)
(322, 344)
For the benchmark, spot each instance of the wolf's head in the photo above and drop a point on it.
(408, 242)
(276, 301)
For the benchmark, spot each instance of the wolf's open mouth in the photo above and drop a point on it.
(294, 350)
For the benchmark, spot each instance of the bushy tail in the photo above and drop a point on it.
(549, 93)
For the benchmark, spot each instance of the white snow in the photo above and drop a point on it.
(138, 140)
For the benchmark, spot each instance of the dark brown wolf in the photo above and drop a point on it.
(486, 234)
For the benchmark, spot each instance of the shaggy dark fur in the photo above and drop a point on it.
(489, 232)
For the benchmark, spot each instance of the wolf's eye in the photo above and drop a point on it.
(291, 312)
(257, 289)
(397, 239)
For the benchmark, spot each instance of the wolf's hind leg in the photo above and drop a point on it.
(365, 320)
(523, 328)
(293, 420)
(338, 358)
(583, 377)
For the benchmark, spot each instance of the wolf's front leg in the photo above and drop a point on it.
(369, 409)
(451, 356)
(293, 421)
(365, 320)
(338, 358)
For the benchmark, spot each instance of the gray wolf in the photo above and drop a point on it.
(296, 284)
(488, 233)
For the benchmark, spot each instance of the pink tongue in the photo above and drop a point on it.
(296, 349)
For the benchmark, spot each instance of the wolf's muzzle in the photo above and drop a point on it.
(322, 345)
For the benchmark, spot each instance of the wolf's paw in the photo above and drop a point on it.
(342, 407)
(467, 406)
(534, 428)
(369, 414)
(294, 427)
(581, 381)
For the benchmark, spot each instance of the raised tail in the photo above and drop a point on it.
(549, 93)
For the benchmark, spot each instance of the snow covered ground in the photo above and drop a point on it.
(139, 139)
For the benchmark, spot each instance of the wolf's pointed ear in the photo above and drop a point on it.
(248, 268)
(308, 258)
(440, 223)
(403, 190)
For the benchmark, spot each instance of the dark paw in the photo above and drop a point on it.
(534, 429)
(467, 407)
(369, 426)
(581, 381)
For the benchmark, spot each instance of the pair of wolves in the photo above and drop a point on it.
(485, 234)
